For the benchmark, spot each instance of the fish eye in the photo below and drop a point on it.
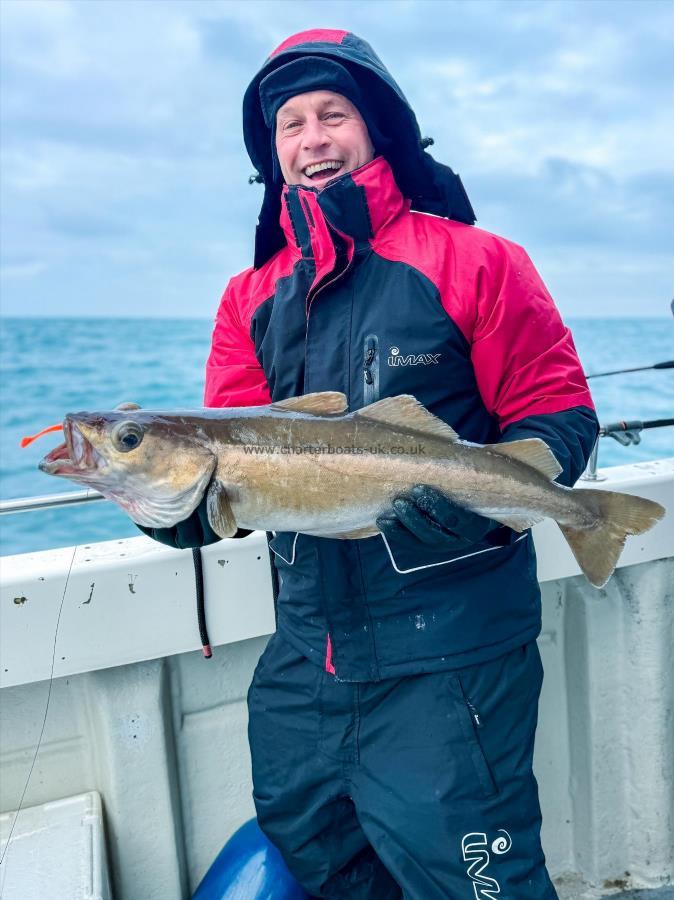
(126, 436)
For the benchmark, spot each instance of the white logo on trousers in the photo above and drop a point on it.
(475, 848)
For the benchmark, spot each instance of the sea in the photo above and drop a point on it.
(49, 367)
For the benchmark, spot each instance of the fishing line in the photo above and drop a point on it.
(44, 720)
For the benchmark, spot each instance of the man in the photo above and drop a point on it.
(392, 715)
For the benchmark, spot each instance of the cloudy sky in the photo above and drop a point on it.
(124, 177)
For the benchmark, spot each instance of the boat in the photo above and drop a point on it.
(143, 767)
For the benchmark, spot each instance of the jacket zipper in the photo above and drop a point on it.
(311, 296)
(474, 714)
(371, 370)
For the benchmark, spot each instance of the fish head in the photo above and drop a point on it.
(155, 466)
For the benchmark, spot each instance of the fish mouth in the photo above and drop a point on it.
(75, 457)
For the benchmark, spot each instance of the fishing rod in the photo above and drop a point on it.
(629, 432)
(661, 365)
(624, 432)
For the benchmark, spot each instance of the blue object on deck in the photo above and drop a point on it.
(249, 867)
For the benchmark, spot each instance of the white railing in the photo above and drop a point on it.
(48, 501)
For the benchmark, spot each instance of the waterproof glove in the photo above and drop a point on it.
(434, 520)
(194, 531)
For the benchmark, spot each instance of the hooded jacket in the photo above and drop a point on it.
(431, 186)
(367, 296)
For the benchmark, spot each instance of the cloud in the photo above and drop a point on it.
(584, 205)
(122, 154)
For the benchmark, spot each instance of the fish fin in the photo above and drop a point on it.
(127, 405)
(365, 532)
(533, 452)
(406, 412)
(219, 509)
(520, 523)
(597, 549)
(323, 403)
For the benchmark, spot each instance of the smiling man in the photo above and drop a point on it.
(392, 715)
(319, 135)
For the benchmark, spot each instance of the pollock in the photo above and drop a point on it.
(306, 465)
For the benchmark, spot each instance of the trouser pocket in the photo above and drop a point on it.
(470, 723)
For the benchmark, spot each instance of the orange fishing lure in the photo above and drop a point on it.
(29, 440)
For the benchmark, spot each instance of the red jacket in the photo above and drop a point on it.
(372, 299)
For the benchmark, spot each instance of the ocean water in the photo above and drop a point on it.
(52, 366)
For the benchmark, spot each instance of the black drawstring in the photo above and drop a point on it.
(201, 611)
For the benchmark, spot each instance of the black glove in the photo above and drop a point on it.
(194, 531)
(434, 520)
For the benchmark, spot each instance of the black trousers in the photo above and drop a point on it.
(419, 787)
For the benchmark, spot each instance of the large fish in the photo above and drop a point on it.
(306, 465)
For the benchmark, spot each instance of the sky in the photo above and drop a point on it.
(124, 179)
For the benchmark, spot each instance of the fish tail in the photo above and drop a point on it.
(598, 548)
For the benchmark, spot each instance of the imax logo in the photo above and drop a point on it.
(475, 849)
(412, 359)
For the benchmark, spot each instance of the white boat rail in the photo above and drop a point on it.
(48, 501)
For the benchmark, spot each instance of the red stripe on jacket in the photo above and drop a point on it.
(326, 35)
(328, 657)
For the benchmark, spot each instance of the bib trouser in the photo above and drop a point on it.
(419, 787)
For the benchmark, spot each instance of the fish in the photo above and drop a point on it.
(307, 465)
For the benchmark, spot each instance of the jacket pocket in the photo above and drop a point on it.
(407, 555)
(471, 723)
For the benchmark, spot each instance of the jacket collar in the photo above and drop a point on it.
(358, 205)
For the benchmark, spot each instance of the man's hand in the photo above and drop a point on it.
(194, 531)
(434, 520)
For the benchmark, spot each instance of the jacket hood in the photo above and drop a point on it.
(429, 185)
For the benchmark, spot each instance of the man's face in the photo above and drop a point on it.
(320, 135)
